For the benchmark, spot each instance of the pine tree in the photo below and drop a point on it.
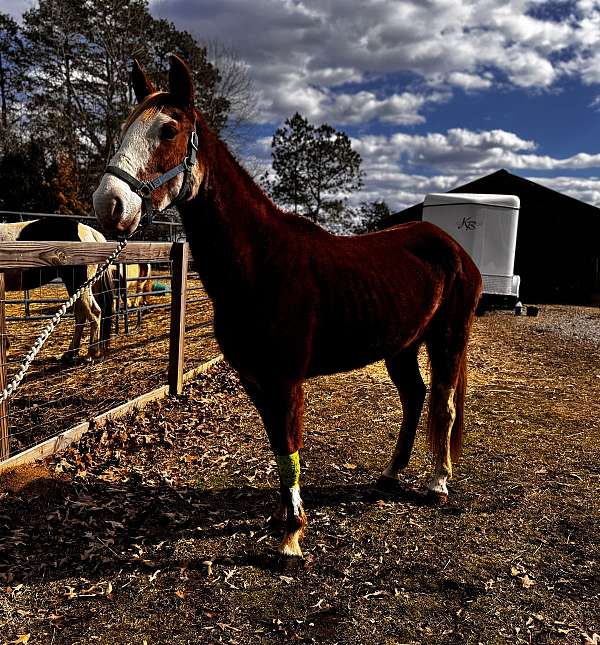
(79, 87)
(12, 76)
(313, 166)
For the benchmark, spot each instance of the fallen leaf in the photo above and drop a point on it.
(70, 593)
(22, 638)
(527, 582)
(594, 639)
(376, 593)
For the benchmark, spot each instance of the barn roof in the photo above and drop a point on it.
(534, 198)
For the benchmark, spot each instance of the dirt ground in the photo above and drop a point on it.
(156, 529)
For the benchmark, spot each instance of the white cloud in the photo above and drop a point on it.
(543, 35)
(461, 150)
(309, 47)
(446, 160)
(470, 81)
(458, 148)
(332, 59)
(16, 8)
(527, 68)
(298, 47)
(585, 189)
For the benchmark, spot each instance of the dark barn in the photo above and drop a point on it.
(558, 240)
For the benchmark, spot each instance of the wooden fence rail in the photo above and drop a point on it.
(28, 255)
(33, 255)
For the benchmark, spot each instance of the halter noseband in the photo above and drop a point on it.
(145, 188)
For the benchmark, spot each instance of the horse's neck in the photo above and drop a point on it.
(229, 225)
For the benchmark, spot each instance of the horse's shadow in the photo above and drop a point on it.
(53, 513)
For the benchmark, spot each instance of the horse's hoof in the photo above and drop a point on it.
(68, 359)
(437, 499)
(290, 563)
(387, 484)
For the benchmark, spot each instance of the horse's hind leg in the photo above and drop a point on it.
(146, 270)
(281, 407)
(80, 317)
(93, 313)
(406, 376)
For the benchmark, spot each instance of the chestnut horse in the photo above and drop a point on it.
(292, 301)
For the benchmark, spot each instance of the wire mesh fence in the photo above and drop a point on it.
(127, 319)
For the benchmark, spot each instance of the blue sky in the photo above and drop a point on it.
(433, 92)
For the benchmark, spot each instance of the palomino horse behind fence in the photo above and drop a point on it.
(135, 280)
(95, 306)
(292, 301)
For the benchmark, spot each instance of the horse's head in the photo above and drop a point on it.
(157, 137)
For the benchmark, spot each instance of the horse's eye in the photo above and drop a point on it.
(168, 132)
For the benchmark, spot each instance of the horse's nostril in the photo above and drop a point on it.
(116, 208)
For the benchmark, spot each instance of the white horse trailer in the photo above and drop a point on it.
(486, 227)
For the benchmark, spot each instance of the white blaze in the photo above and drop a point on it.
(133, 156)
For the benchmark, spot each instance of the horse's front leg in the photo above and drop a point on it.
(291, 510)
(281, 408)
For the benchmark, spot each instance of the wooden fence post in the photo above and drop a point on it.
(179, 257)
(125, 301)
(4, 445)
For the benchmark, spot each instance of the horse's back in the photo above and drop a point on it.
(349, 301)
(422, 239)
(420, 253)
(403, 259)
(50, 229)
(379, 292)
(10, 231)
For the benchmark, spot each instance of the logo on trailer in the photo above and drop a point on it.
(468, 223)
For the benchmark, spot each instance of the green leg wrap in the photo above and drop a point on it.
(289, 469)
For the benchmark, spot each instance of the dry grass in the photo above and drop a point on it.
(156, 529)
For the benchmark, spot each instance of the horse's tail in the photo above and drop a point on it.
(436, 432)
(104, 295)
(447, 349)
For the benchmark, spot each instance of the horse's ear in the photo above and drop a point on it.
(142, 85)
(181, 84)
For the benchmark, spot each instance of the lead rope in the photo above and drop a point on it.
(45, 333)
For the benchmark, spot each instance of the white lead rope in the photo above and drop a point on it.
(45, 333)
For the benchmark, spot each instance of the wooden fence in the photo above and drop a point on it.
(28, 255)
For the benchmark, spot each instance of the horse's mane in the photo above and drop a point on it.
(150, 105)
(244, 175)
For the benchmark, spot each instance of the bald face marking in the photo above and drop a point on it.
(152, 143)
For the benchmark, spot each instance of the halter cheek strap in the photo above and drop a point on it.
(145, 188)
